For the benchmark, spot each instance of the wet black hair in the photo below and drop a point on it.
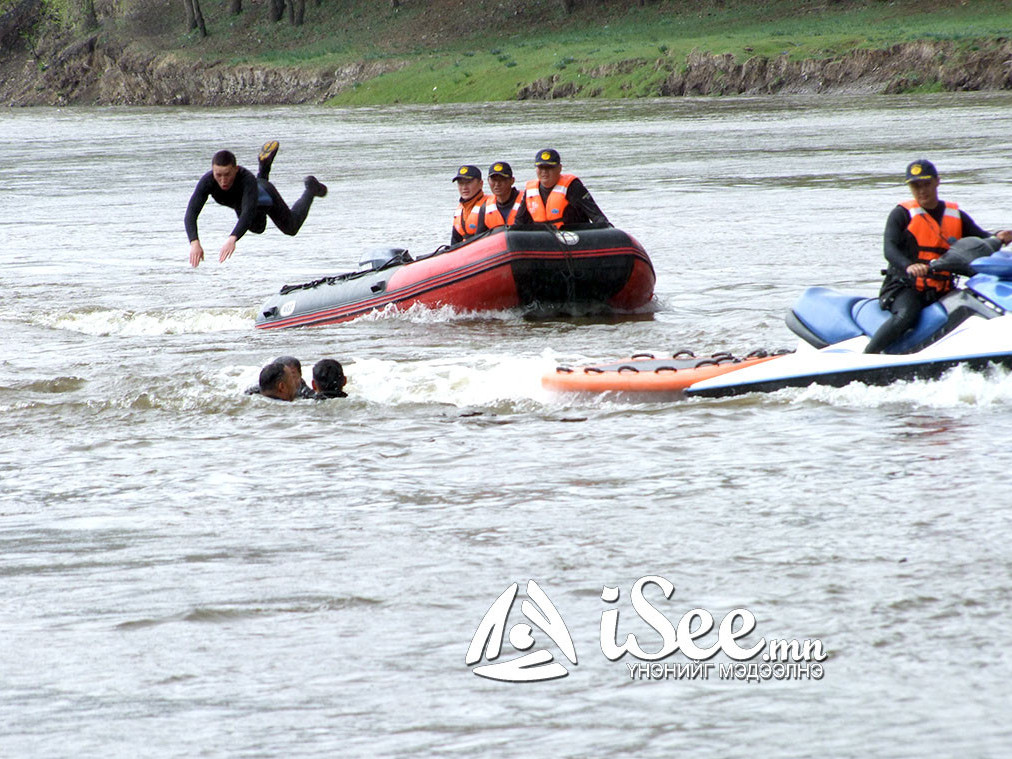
(270, 376)
(223, 158)
(328, 376)
(289, 361)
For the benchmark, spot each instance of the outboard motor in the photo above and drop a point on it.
(378, 258)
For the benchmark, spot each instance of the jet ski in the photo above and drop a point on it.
(971, 325)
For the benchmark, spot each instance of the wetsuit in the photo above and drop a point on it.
(253, 200)
(328, 395)
(580, 207)
(899, 295)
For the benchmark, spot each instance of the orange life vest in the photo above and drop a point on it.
(493, 217)
(933, 240)
(552, 212)
(466, 228)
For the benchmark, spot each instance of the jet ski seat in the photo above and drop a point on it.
(823, 316)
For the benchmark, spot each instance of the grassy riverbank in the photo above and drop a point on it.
(449, 51)
(363, 52)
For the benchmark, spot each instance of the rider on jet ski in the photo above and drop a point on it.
(917, 232)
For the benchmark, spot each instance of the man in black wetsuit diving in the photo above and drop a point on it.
(253, 198)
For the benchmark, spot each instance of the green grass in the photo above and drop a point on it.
(490, 59)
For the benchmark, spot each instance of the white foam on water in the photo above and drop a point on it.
(419, 314)
(241, 377)
(111, 321)
(473, 380)
(958, 387)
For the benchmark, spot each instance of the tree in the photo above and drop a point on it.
(569, 5)
(194, 17)
(276, 10)
(235, 8)
(18, 22)
(296, 11)
(88, 18)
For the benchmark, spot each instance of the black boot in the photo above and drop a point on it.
(267, 153)
(316, 187)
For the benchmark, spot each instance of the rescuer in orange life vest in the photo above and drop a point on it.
(500, 209)
(465, 218)
(917, 232)
(557, 198)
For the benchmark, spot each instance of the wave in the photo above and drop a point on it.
(419, 314)
(112, 321)
(499, 382)
(958, 387)
(491, 383)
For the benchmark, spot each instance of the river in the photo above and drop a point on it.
(186, 570)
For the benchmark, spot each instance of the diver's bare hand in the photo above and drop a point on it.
(196, 253)
(227, 249)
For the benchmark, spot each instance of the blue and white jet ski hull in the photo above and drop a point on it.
(976, 343)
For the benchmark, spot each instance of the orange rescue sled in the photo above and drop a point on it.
(644, 373)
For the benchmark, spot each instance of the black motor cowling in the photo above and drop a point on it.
(378, 258)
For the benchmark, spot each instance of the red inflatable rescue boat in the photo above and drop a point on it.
(538, 268)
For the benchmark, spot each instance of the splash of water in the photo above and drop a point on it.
(111, 321)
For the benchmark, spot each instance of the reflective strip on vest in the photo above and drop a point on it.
(493, 217)
(557, 201)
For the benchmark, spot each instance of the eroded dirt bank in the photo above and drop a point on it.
(92, 73)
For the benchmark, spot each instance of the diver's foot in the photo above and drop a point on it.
(267, 153)
(269, 150)
(316, 187)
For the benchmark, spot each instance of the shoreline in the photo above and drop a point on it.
(90, 72)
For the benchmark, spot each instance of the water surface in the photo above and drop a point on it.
(188, 570)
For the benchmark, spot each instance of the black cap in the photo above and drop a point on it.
(920, 170)
(500, 167)
(547, 157)
(467, 172)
